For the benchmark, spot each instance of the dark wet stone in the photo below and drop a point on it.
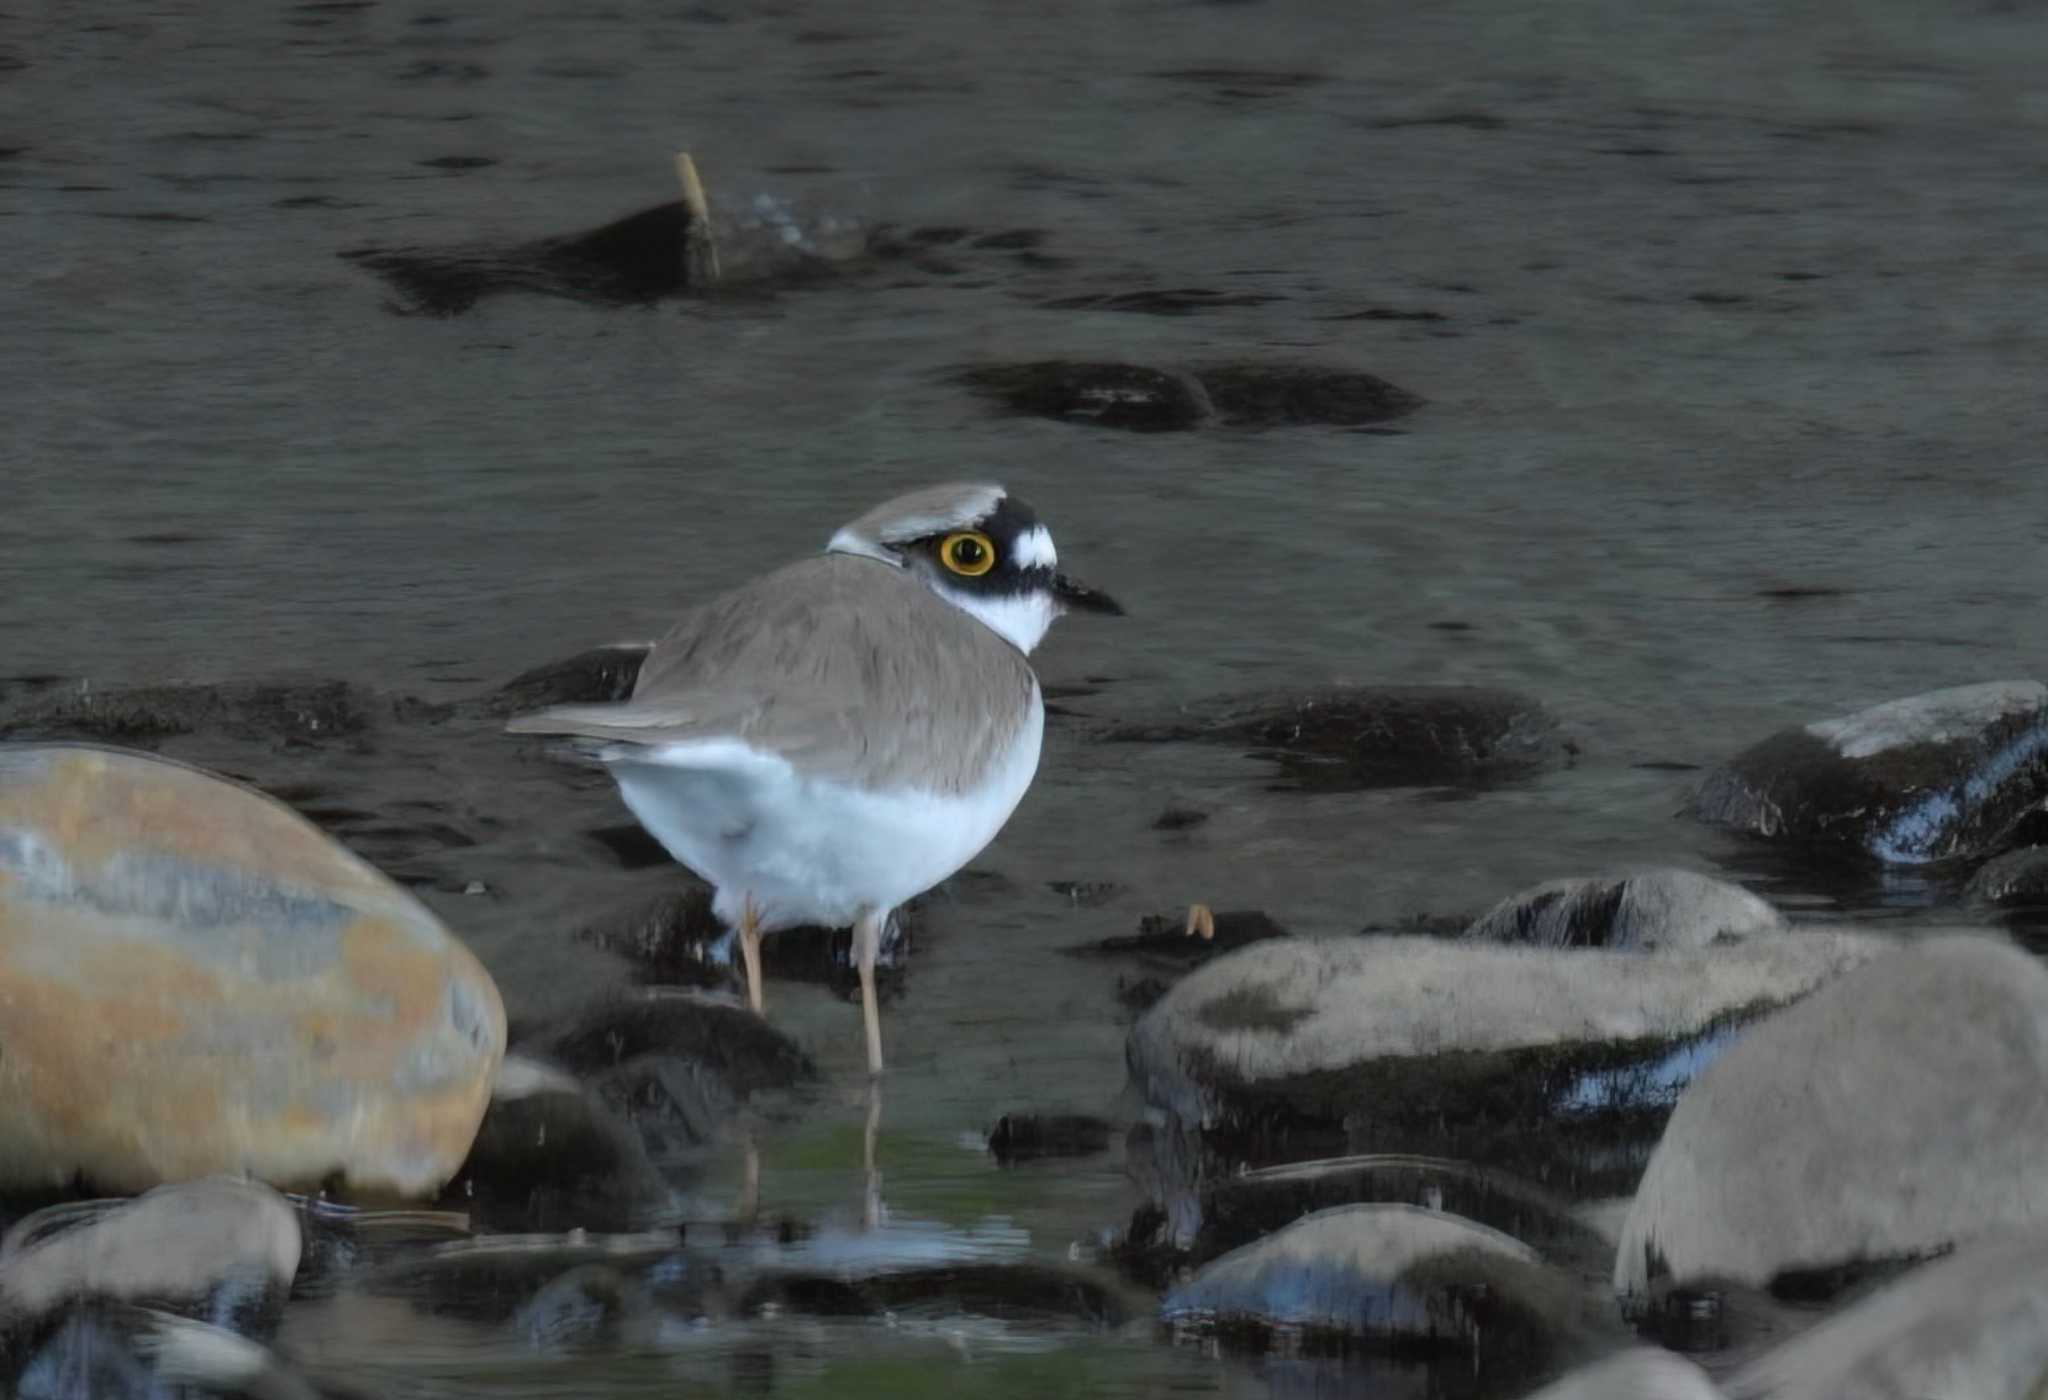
(88, 1353)
(1107, 395)
(1178, 819)
(1164, 947)
(1558, 1065)
(586, 1306)
(1199, 1221)
(1385, 1275)
(602, 675)
(631, 261)
(554, 1158)
(218, 1250)
(294, 714)
(1892, 1115)
(1972, 1324)
(1145, 399)
(1013, 1292)
(1262, 395)
(1947, 776)
(676, 1063)
(1025, 1137)
(534, 1285)
(2018, 878)
(1351, 737)
(675, 940)
(1648, 909)
(631, 846)
(1024, 1293)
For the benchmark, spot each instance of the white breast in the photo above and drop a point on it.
(810, 850)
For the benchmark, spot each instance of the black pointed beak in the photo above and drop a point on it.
(1076, 596)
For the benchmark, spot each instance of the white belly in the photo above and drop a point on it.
(809, 851)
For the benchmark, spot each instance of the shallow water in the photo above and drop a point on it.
(1734, 421)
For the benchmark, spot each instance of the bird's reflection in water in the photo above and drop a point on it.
(747, 1208)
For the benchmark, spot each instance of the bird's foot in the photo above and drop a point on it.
(1201, 923)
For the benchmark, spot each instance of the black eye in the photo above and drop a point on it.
(969, 552)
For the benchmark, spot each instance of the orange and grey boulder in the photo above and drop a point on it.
(196, 980)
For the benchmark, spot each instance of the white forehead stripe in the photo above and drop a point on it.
(1034, 549)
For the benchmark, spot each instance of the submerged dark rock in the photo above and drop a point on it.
(1024, 1137)
(549, 1156)
(1951, 775)
(1142, 398)
(1559, 1065)
(1647, 909)
(1349, 737)
(289, 713)
(2015, 879)
(1894, 1114)
(1013, 1292)
(637, 259)
(1234, 1209)
(677, 1063)
(1133, 397)
(1386, 1275)
(601, 675)
(533, 1284)
(1261, 396)
(219, 1250)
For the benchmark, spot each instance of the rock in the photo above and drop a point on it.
(1356, 737)
(195, 980)
(1950, 775)
(2015, 879)
(1975, 1324)
(1238, 1208)
(549, 1157)
(1164, 945)
(673, 1063)
(602, 675)
(1144, 399)
(1892, 1115)
(288, 714)
(587, 1305)
(1640, 1373)
(1644, 910)
(1384, 1273)
(927, 1293)
(1106, 395)
(90, 1355)
(183, 1353)
(1559, 1064)
(532, 1284)
(219, 1249)
(632, 261)
(1024, 1137)
(1260, 396)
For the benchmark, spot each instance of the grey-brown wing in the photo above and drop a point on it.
(844, 666)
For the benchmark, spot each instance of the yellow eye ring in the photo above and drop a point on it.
(968, 553)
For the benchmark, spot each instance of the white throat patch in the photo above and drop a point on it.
(1021, 619)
